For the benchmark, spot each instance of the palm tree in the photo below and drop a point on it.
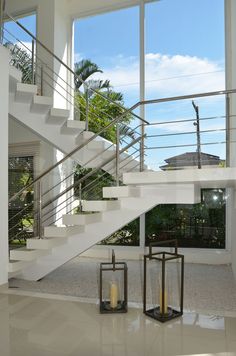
(83, 70)
(21, 59)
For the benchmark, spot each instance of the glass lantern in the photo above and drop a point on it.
(163, 283)
(113, 286)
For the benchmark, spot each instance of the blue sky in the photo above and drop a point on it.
(184, 54)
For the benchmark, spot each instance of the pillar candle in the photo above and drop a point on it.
(165, 301)
(113, 295)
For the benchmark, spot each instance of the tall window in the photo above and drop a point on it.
(14, 34)
(184, 54)
(111, 42)
(21, 174)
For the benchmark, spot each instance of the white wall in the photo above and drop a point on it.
(4, 92)
(19, 135)
(73, 8)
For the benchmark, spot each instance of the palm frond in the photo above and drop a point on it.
(126, 130)
(97, 84)
(84, 69)
(21, 59)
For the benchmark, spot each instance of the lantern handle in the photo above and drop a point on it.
(158, 243)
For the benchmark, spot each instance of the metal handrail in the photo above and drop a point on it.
(89, 174)
(146, 102)
(44, 65)
(66, 157)
(183, 97)
(69, 69)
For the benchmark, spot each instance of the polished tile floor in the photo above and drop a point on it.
(33, 326)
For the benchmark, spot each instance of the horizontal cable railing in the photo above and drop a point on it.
(36, 45)
(51, 201)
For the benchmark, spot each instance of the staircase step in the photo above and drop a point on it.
(87, 135)
(62, 231)
(46, 243)
(101, 205)
(57, 116)
(73, 127)
(121, 192)
(41, 104)
(92, 145)
(81, 219)
(24, 254)
(15, 265)
(25, 92)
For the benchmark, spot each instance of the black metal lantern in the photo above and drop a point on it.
(163, 283)
(113, 286)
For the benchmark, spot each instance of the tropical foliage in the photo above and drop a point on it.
(198, 225)
(21, 59)
(100, 110)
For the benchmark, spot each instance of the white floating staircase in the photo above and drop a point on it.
(82, 231)
(53, 125)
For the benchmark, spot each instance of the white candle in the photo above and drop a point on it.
(165, 301)
(113, 295)
(161, 295)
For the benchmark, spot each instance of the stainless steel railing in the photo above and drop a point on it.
(89, 191)
(52, 200)
(142, 152)
(36, 42)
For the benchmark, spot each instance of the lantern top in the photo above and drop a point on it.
(113, 265)
(163, 255)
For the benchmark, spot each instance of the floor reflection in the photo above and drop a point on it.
(33, 326)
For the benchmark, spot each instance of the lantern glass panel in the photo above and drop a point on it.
(163, 289)
(113, 287)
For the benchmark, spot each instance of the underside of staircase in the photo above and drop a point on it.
(82, 231)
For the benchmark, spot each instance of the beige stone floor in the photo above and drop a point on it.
(209, 288)
(32, 326)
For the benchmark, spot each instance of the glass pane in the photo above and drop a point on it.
(180, 61)
(200, 225)
(21, 174)
(114, 59)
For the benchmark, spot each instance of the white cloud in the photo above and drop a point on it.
(166, 75)
(78, 57)
(26, 46)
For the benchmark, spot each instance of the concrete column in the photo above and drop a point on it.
(4, 93)
(230, 40)
(54, 29)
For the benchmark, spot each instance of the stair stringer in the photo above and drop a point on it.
(130, 209)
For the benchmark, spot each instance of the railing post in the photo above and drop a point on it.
(117, 153)
(39, 209)
(80, 198)
(87, 110)
(32, 61)
(41, 78)
(142, 147)
(141, 159)
(227, 127)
